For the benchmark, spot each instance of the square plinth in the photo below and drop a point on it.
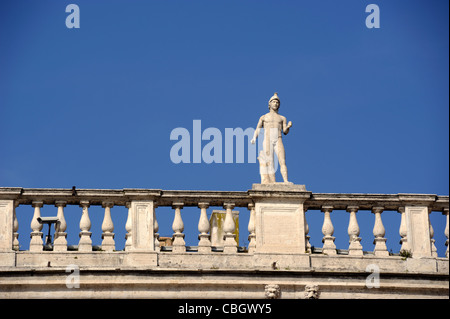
(287, 187)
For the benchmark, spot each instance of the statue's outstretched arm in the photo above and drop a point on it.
(286, 127)
(258, 128)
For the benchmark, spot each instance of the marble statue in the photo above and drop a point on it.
(274, 125)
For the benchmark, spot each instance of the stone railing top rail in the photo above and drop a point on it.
(217, 198)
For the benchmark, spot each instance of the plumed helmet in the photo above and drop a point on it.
(275, 97)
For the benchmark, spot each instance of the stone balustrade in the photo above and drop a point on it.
(279, 256)
(277, 221)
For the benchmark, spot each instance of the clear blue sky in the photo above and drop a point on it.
(94, 106)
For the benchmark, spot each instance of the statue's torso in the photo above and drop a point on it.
(273, 123)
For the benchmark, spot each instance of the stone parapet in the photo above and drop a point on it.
(278, 244)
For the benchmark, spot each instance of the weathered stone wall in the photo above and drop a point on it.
(265, 269)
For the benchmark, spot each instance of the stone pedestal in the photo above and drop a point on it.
(142, 226)
(418, 225)
(280, 187)
(280, 217)
(6, 222)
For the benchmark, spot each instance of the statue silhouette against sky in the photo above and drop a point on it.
(274, 125)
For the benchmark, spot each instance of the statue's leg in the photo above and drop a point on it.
(263, 168)
(268, 151)
(271, 164)
(281, 154)
(267, 145)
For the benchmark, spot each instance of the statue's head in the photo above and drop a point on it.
(274, 102)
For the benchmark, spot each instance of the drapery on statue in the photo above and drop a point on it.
(274, 124)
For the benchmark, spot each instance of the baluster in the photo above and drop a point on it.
(156, 229)
(60, 242)
(307, 237)
(432, 240)
(445, 212)
(108, 243)
(355, 248)
(128, 228)
(252, 229)
(179, 245)
(36, 243)
(85, 243)
(229, 226)
(204, 244)
(15, 227)
(379, 232)
(403, 231)
(327, 230)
